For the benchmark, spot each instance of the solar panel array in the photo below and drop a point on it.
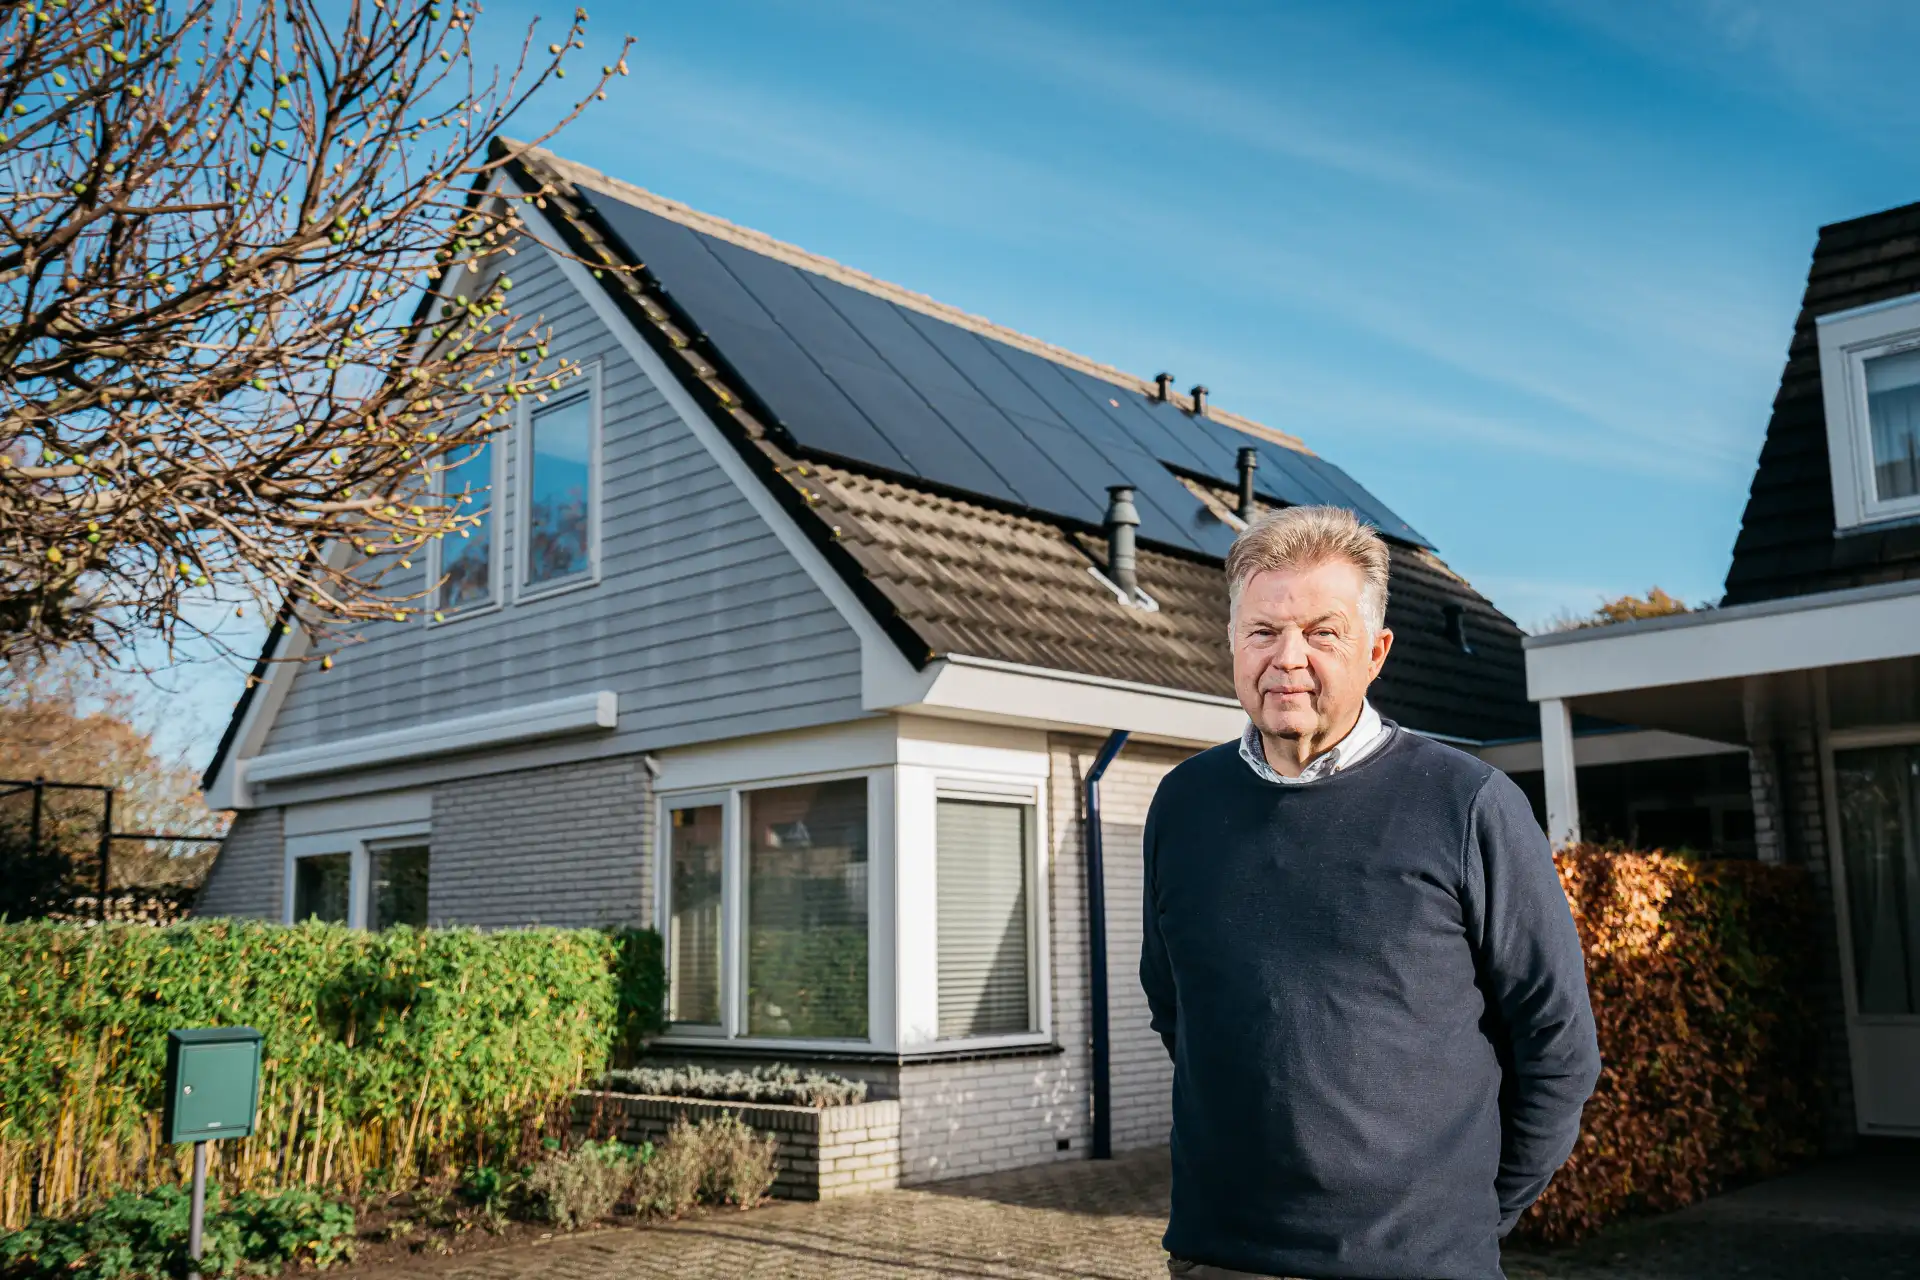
(863, 379)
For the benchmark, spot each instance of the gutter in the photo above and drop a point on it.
(1097, 950)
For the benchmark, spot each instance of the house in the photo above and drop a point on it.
(1812, 660)
(808, 630)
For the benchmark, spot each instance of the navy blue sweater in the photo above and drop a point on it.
(1377, 1009)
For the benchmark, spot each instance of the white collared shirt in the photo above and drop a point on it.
(1361, 741)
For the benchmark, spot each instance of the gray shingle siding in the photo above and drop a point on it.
(696, 592)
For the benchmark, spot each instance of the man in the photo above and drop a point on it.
(1358, 954)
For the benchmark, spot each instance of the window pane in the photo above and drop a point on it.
(693, 927)
(399, 892)
(1893, 411)
(807, 910)
(1880, 848)
(557, 491)
(320, 887)
(467, 562)
(981, 850)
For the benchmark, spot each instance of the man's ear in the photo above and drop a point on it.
(1382, 643)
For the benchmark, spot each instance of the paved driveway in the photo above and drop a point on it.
(1851, 1220)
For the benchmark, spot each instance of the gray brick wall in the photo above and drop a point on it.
(246, 879)
(960, 1118)
(1803, 817)
(568, 845)
(1142, 1075)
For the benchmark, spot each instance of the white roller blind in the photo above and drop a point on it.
(984, 947)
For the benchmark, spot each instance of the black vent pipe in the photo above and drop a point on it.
(1249, 459)
(1097, 951)
(1122, 562)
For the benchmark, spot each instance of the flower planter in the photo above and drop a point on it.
(825, 1152)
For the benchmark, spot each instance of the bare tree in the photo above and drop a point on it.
(220, 379)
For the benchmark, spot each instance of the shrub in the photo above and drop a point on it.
(669, 1183)
(719, 1161)
(1708, 1036)
(739, 1162)
(394, 1053)
(778, 1084)
(573, 1188)
(146, 1235)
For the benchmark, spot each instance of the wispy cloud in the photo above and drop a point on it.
(1845, 59)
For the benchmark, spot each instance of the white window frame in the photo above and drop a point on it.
(992, 789)
(524, 592)
(1848, 339)
(356, 845)
(732, 1030)
(498, 517)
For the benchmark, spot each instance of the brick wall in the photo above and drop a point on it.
(246, 878)
(966, 1117)
(824, 1152)
(569, 845)
(1790, 826)
(1140, 1074)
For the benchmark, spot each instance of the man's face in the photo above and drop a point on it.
(1302, 659)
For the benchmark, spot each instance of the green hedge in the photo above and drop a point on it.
(386, 1054)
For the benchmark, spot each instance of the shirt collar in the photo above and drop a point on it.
(1361, 741)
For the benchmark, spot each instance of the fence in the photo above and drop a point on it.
(61, 859)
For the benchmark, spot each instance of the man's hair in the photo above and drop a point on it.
(1298, 538)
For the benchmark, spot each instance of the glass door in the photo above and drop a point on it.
(1878, 790)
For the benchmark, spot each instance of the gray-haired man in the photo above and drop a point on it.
(1358, 954)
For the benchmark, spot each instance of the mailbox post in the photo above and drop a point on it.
(212, 1092)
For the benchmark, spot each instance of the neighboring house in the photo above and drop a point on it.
(1813, 659)
(796, 632)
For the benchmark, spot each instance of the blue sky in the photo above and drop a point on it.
(1527, 269)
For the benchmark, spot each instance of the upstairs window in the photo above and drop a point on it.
(1870, 383)
(465, 563)
(560, 545)
(1893, 423)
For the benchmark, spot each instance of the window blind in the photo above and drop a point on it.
(984, 951)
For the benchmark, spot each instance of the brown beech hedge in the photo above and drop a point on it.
(1702, 976)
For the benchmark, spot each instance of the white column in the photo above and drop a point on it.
(1556, 757)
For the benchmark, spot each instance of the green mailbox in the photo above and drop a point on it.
(213, 1083)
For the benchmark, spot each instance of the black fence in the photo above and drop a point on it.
(61, 859)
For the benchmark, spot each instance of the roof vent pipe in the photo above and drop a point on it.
(1165, 382)
(1199, 394)
(1248, 459)
(1122, 520)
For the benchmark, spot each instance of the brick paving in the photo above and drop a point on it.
(1857, 1219)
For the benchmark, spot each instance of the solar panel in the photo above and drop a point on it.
(861, 378)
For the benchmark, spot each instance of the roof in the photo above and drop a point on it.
(949, 572)
(1787, 544)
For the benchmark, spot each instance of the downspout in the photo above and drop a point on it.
(1097, 951)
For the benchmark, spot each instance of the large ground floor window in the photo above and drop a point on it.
(363, 883)
(767, 899)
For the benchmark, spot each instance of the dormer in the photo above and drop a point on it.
(1870, 380)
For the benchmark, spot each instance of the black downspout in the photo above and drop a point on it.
(1097, 951)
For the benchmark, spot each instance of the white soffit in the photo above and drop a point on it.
(581, 713)
(1007, 693)
(1865, 624)
(1605, 748)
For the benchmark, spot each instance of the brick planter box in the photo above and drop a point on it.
(825, 1152)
